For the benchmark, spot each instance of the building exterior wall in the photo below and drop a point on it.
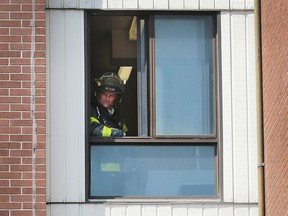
(66, 138)
(22, 108)
(23, 122)
(275, 103)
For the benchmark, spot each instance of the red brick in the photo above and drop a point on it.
(9, 54)
(10, 190)
(4, 198)
(21, 183)
(10, 100)
(4, 167)
(4, 213)
(4, 152)
(21, 137)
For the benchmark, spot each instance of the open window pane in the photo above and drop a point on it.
(184, 75)
(152, 171)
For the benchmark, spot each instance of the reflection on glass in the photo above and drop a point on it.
(152, 171)
(184, 75)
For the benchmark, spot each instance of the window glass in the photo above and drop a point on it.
(184, 75)
(152, 171)
(170, 92)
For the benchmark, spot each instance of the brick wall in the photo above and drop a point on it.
(22, 108)
(275, 95)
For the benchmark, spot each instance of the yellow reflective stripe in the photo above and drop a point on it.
(125, 129)
(110, 167)
(92, 119)
(106, 131)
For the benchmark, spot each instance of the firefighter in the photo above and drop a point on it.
(105, 120)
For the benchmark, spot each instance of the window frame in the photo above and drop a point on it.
(152, 138)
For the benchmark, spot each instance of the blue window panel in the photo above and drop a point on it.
(157, 171)
(184, 75)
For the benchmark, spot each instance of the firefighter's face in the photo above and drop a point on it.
(107, 99)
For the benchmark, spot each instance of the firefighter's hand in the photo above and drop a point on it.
(117, 133)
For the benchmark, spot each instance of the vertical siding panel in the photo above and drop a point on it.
(207, 4)
(55, 110)
(149, 210)
(237, 4)
(55, 3)
(71, 3)
(100, 4)
(161, 4)
(130, 4)
(176, 4)
(191, 4)
(226, 210)
(249, 4)
(115, 4)
(66, 106)
(85, 4)
(210, 210)
(241, 210)
(118, 210)
(253, 211)
(164, 210)
(180, 210)
(74, 103)
(195, 210)
(239, 98)
(252, 125)
(133, 210)
(72, 210)
(146, 4)
(56, 210)
(227, 108)
(102, 210)
(221, 4)
(87, 210)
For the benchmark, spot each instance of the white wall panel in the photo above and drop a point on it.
(55, 3)
(115, 4)
(71, 4)
(146, 4)
(66, 106)
(209, 210)
(153, 4)
(176, 4)
(227, 144)
(56, 115)
(207, 4)
(118, 210)
(130, 4)
(179, 210)
(239, 106)
(241, 210)
(100, 4)
(164, 210)
(195, 210)
(191, 4)
(226, 210)
(251, 106)
(161, 4)
(149, 210)
(237, 4)
(133, 210)
(249, 4)
(222, 4)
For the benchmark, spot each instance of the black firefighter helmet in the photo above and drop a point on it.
(110, 82)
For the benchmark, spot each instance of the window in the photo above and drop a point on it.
(169, 106)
